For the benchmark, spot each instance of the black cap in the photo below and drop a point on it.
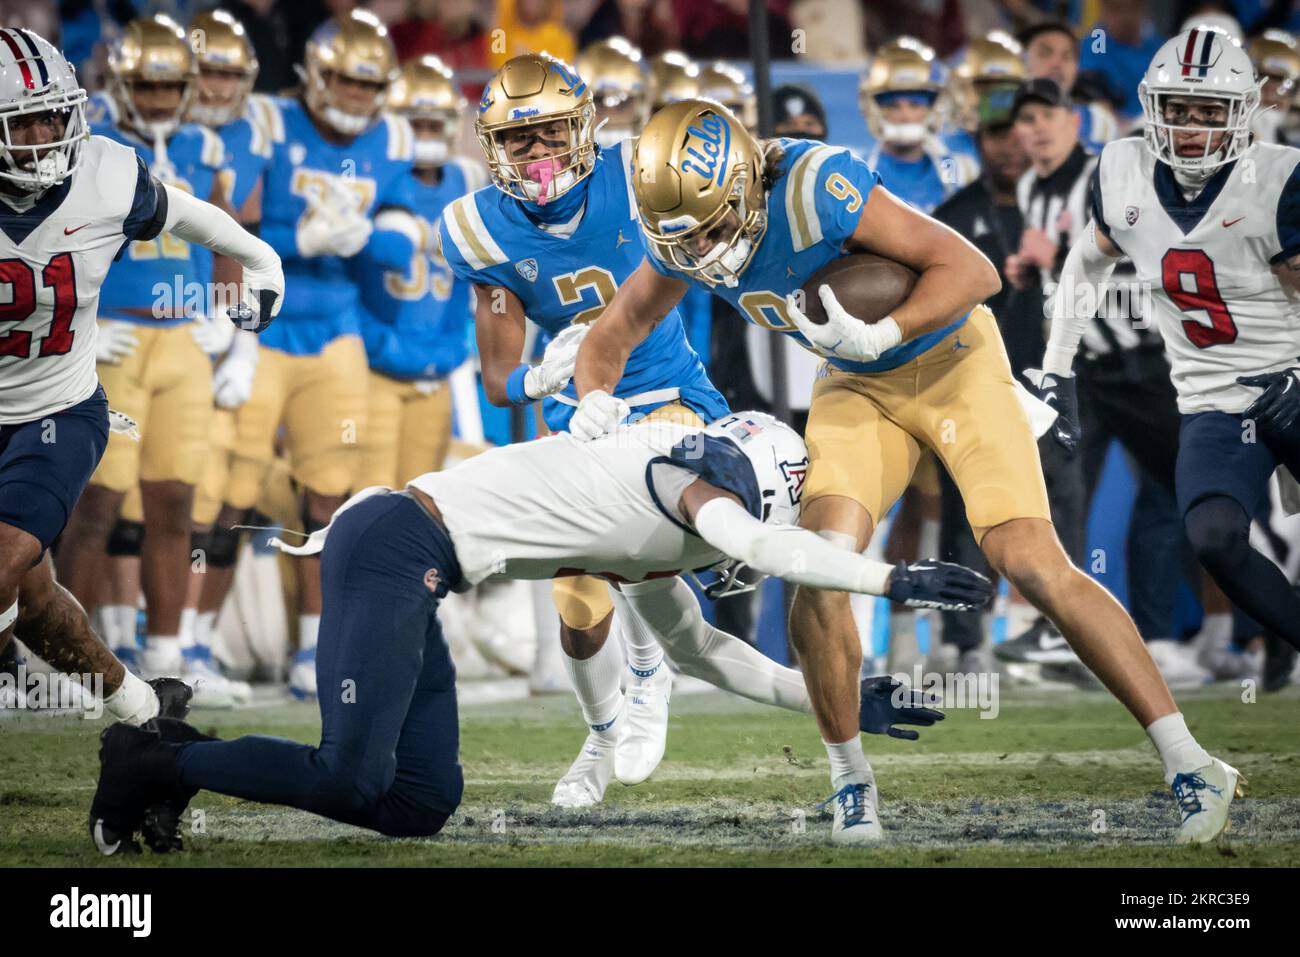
(794, 99)
(1041, 90)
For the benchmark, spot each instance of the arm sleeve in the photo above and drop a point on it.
(843, 184)
(794, 554)
(1086, 269)
(148, 207)
(196, 221)
(1288, 218)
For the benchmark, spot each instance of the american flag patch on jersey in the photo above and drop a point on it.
(1199, 54)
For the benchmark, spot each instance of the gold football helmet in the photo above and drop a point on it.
(673, 77)
(355, 46)
(904, 65)
(723, 82)
(535, 90)
(612, 68)
(698, 178)
(151, 50)
(426, 93)
(224, 54)
(1276, 56)
(990, 63)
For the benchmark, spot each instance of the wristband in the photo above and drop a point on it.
(515, 393)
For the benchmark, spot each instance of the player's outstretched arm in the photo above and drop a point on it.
(196, 221)
(499, 331)
(805, 558)
(954, 275)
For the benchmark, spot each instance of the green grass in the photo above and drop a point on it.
(737, 787)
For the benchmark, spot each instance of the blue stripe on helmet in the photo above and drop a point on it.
(35, 52)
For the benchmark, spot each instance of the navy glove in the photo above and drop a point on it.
(1059, 393)
(942, 585)
(1278, 409)
(880, 710)
(243, 315)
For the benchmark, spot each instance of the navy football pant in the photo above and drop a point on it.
(1222, 480)
(388, 757)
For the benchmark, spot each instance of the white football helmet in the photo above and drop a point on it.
(36, 78)
(1209, 64)
(779, 458)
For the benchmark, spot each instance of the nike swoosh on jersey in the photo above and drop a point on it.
(69, 232)
(1226, 223)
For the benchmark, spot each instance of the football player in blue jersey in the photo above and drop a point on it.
(753, 223)
(152, 359)
(551, 241)
(416, 320)
(336, 160)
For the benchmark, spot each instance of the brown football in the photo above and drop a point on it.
(867, 286)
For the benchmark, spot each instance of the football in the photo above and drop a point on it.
(869, 287)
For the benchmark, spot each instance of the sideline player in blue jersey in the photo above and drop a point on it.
(336, 160)
(416, 320)
(753, 224)
(551, 241)
(151, 361)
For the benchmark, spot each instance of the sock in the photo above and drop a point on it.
(308, 629)
(205, 623)
(134, 702)
(595, 682)
(128, 624)
(644, 654)
(1215, 633)
(848, 763)
(104, 621)
(188, 616)
(162, 655)
(119, 625)
(1179, 751)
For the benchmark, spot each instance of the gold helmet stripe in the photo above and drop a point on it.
(471, 236)
(801, 197)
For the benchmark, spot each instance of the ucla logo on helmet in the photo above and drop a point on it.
(522, 112)
(709, 144)
(575, 84)
(485, 100)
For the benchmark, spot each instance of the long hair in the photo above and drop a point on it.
(773, 163)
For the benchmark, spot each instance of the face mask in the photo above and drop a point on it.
(903, 134)
(430, 152)
(49, 170)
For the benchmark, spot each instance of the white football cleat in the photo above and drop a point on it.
(583, 785)
(644, 731)
(302, 675)
(857, 818)
(201, 669)
(1203, 797)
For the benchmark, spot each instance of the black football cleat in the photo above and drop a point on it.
(161, 828)
(118, 806)
(173, 697)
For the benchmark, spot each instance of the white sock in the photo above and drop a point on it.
(308, 629)
(104, 620)
(119, 625)
(595, 682)
(205, 623)
(1216, 632)
(162, 655)
(1179, 751)
(134, 702)
(128, 621)
(188, 616)
(644, 654)
(848, 763)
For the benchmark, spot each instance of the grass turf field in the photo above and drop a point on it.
(1035, 786)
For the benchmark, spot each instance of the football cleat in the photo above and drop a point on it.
(160, 829)
(173, 697)
(644, 731)
(136, 769)
(1204, 796)
(857, 819)
(202, 671)
(1042, 644)
(302, 675)
(583, 785)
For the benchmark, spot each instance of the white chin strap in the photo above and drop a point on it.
(430, 152)
(8, 616)
(349, 124)
(903, 134)
(729, 259)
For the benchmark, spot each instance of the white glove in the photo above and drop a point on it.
(213, 337)
(115, 341)
(325, 233)
(558, 361)
(232, 382)
(599, 413)
(843, 336)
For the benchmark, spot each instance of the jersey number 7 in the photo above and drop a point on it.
(1202, 297)
(21, 279)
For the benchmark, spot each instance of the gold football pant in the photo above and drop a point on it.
(407, 431)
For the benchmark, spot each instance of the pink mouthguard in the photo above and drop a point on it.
(542, 172)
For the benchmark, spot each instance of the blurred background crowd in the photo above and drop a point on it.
(988, 114)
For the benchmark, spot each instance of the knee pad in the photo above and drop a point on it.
(199, 541)
(126, 538)
(222, 546)
(1218, 527)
